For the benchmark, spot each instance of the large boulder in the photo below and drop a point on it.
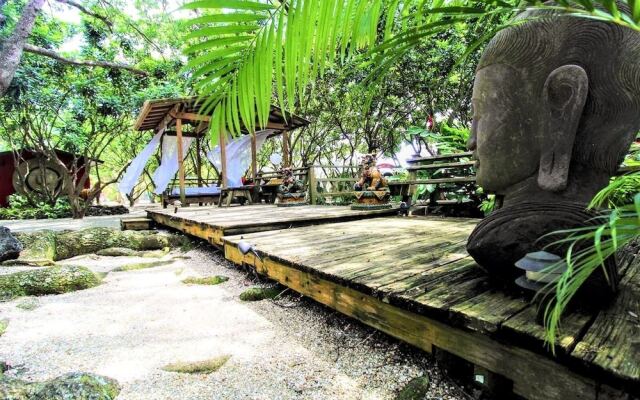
(43, 281)
(44, 246)
(38, 247)
(10, 247)
(72, 386)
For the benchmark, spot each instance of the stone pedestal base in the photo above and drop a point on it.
(371, 200)
(291, 200)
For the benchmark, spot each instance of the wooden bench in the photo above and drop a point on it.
(455, 172)
(168, 196)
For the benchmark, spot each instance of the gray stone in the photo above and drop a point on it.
(73, 386)
(10, 247)
(44, 281)
(556, 106)
(78, 386)
(416, 389)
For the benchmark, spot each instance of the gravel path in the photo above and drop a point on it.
(139, 321)
(60, 224)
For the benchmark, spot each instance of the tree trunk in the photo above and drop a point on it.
(3, 19)
(11, 51)
(78, 208)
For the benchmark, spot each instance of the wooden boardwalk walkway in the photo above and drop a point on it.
(212, 223)
(412, 279)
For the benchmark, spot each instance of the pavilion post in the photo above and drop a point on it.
(198, 162)
(183, 196)
(285, 149)
(223, 158)
(254, 165)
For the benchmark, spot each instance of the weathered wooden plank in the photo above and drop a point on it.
(486, 311)
(612, 343)
(522, 328)
(461, 164)
(212, 223)
(440, 157)
(460, 179)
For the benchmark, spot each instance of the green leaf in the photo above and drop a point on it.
(222, 30)
(228, 4)
(215, 43)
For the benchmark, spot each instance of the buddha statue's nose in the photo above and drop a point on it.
(472, 142)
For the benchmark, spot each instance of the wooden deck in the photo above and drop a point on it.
(212, 223)
(412, 278)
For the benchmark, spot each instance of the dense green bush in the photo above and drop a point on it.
(22, 208)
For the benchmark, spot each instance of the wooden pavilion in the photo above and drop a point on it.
(169, 116)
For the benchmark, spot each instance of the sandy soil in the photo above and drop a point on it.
(138, 321)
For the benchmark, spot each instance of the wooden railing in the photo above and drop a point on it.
(327, 188)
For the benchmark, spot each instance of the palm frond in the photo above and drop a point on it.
(616, 229)
(240, 48)
(246, 52)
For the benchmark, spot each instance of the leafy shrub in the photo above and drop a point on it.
(21, 207)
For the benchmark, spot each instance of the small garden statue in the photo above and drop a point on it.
(292, 191)
(556, 106)
(372, 190)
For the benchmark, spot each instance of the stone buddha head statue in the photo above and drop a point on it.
(556, 105)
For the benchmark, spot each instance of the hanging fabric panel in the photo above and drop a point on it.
(238, 156)
(135, 169)
(169, 163)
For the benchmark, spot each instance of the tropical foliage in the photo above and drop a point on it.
(240, 50)
(51, 105)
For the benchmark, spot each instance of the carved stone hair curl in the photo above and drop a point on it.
(609, 53)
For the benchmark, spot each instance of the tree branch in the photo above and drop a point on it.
(11, 49)
(82, 63)
(87, 11)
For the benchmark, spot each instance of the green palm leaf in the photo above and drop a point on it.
(243, 53)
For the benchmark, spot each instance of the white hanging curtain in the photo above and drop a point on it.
(169, 163)
(133, 172)
(238, 153)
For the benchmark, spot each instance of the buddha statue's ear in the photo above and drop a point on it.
(565, 94)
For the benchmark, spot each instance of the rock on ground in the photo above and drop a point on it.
(72, 386)
(43, 246)
(416, 389)
(10, 247)
(43, 281)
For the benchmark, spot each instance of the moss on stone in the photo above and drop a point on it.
(87, 241)
(28, 304)
(258, 293)
(4, 324)
(76, 386)
(38, 247)
(198, 367)
(117, 252)
(143, 265)
(155, 253)
(416, 389)
(43, 281)
(47, 246)
(207, 280)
